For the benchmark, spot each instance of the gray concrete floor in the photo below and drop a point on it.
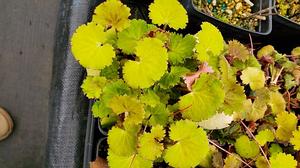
(27, 31)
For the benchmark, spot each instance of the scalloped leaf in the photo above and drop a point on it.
(112, 13)
(151, 66)
(159, 115)
(275, 149)
(150, 146)
(234, 99)
(283, 160)
(245, 147)
(122, 142)
(251, 62)
(116, 88)
(267, 50)
(150, 98)
(100, 110)
(289, 81)
(234, 93)
(162, 12)
(257, 111)
(211, 44)
(107, 117)
(130, 107)
(238, 50)
(173, 77)
(112, 71)
(203, 102)
(264, 136)
(259, 106)
(254, 77)
(191, 145)
(128, 38)
(277, 102)
(286, 124)
(180, 48)
(261, 162)
(296, 52)
(295, 140)
(92, 86)
(227, 74)
(232, 162)
(88, 45)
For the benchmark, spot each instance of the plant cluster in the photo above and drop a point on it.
(289, 9)
(186, 100)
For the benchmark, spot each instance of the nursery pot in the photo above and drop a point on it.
(90, 139)
(94, 140)
(289, 24)
(196, 17)
(285, 25)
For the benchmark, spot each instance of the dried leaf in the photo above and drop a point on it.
(99, 163)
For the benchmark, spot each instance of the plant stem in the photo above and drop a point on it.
(251, 44)
(252, 160)
(265, 10)
(224, 150)
(165, 27)
(131, 162)
(276, 78)
(181, 110)
(262, 151)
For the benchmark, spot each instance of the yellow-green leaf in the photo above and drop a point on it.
(151, 66)
(295, 140)
(254, 77)
(277, 102)
(150, 147)
(92, 86)
(245, 147)
(210, 44)
(122, 142)
(128, 38)
(191, 145)
(131, 107)
(88, 45)
(282, 160)
(128, 161)
(206, 97)
(238, 50)
(287, 123)
(168, 12)
(264, 136)
(112, 13)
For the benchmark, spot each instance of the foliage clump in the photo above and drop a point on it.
(165, 96)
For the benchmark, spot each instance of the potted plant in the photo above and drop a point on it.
(233, 16)
(288, 13)
(169, 99)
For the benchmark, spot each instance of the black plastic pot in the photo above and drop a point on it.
(95, 140)
(287, 22)
(289, 25)
(285, 34)
(89, 147)
(196, 17)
